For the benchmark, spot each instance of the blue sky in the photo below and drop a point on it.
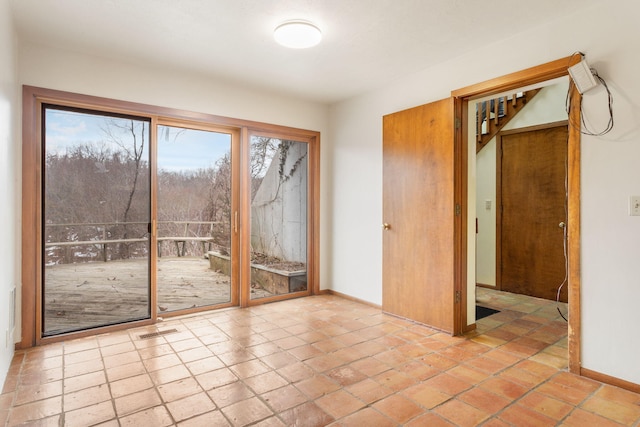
(189, 149)
(178, 149)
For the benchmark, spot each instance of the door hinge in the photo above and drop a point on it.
(458, 297)
(457, 123)
(458, 209)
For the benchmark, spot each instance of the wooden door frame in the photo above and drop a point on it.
(510, 82)
(499, 186)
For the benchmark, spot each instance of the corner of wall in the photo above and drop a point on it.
(9, 182)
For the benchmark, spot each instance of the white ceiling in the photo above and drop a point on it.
(366, 42)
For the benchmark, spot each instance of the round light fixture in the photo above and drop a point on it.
(297, 34)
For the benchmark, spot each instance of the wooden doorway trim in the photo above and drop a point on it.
(514, 81)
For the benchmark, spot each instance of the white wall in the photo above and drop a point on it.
(9, 190)
(610, 238)
(547, 106)
(63, 70)
(485, 265)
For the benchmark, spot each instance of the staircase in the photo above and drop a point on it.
(494, 114)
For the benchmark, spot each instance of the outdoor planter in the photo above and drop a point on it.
(272, 280)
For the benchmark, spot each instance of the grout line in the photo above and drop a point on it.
(346, 319)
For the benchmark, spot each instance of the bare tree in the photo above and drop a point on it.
(90, 183)
(130, 136)
(218, 208)
(263, 150)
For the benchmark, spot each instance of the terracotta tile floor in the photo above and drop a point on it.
(313, 362)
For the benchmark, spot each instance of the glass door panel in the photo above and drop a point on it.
(279, 181)
(193, 218)
(96, 214)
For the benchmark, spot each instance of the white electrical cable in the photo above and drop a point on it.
(564, 237)
(582, 126)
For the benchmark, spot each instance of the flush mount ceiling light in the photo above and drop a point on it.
(297, 34)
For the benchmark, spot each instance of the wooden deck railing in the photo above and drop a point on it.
(181, 240)
(102, 239)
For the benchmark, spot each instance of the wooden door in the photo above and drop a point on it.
(418, 210)
(533, 197)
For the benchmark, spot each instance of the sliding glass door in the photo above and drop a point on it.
(95, 220)
(194, 214)
(143, 216)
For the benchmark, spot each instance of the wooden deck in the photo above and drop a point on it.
(91, 294)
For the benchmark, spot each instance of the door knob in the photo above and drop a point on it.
(562, 225)
(386, 226)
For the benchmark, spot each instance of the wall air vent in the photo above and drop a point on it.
(157, 334)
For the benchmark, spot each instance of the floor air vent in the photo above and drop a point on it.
(157, 334)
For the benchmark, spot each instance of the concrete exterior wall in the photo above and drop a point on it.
(279, 208)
